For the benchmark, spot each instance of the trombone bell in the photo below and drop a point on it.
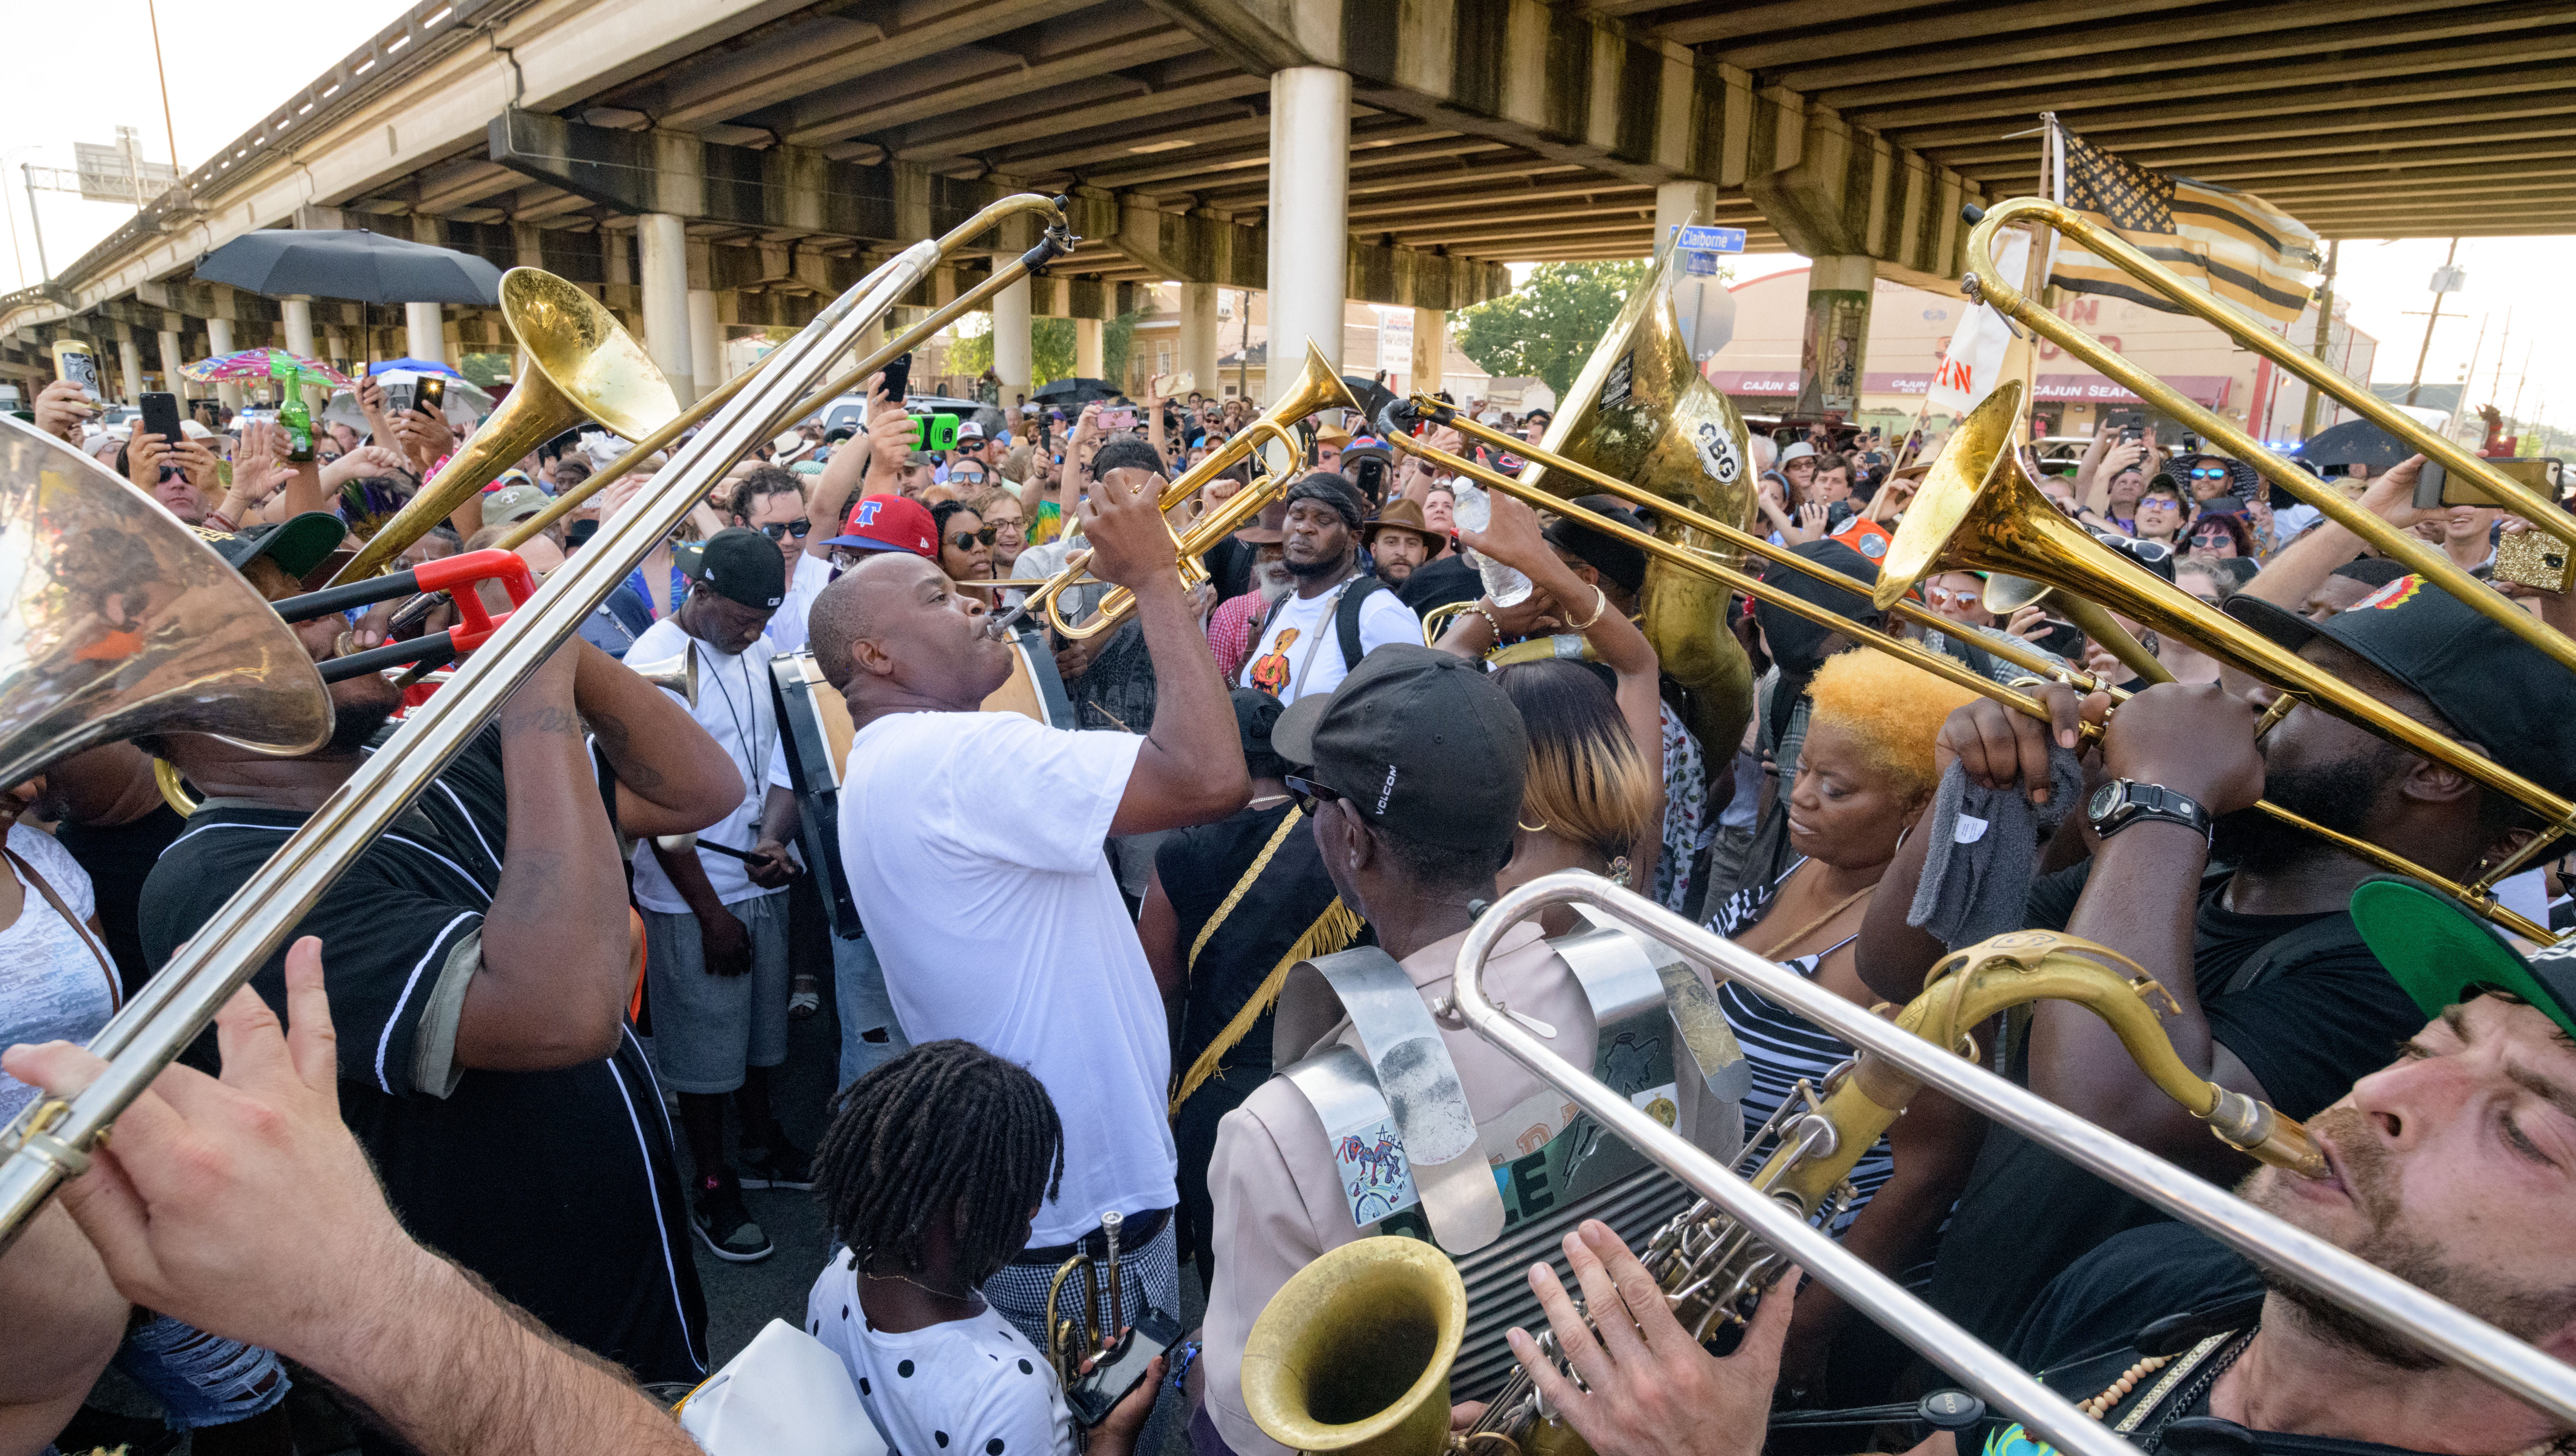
(1352, 1355)
(121, 623)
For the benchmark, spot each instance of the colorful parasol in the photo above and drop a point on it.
(264, 364)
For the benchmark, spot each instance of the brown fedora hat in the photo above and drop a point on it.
(1267, 529)
(1401, 514)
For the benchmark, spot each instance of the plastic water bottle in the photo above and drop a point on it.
(1507, 586)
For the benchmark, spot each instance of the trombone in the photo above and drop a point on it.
(2478, 897)
(1270, 433)
(50, 1140)
(1756, 1214)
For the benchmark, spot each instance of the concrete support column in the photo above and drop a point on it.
(219, 340)
(1679, 204)
(171, 359)
(1831, 360)
(706, 340)
(1199, 349)
(1012, 353)
(335, 347)
(425, 333)
(299, 325)
(1310, 177)
(131, 359)
(1430, 349)
(662, 256)
(1089, 355)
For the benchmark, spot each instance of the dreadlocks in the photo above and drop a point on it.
(945, 1126)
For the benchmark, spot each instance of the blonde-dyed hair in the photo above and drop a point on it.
(1894, 709)
(1586, 781)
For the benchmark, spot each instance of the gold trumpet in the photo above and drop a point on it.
(1713, 1270)
(581, 365)
(2479, 897)
(1271, 433)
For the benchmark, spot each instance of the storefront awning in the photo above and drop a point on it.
(2204, 389)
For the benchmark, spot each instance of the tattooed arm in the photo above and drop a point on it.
(557, 946)
(671, 777)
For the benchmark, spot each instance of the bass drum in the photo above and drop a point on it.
(814, 729)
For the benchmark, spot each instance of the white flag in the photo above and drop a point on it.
(1975, 363)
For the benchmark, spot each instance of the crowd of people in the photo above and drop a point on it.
(428, 1156)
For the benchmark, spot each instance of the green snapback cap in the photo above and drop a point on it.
(2443, 954)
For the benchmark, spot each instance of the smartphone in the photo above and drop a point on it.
(74, 361)
(431, 397)
(1187, 380)
(161, 415)
(2063, 638)
(898, 379)
(1118, 419)
(2434, 486)
(938, 432)
(1122, 1368)
(397, 398)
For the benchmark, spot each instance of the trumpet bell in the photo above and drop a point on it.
(677, 673)
(122, 622)
(581, 365)
(1352, 1355)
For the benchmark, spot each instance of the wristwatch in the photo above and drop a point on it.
(2123, 802)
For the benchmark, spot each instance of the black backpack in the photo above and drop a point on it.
(1346, 623)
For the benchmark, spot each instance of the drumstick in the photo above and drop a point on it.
(680, 843)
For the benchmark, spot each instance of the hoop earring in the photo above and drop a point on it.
(1540, 828)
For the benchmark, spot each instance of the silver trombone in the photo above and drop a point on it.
(2368, 1291)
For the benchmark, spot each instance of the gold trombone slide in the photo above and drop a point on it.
(2477, 897)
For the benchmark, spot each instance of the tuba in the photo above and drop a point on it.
(1641, 411)
(1713, 1269)
(123, 623)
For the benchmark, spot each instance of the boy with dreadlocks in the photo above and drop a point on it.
(932, 1173)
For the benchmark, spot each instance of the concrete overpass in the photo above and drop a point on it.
(709, 164)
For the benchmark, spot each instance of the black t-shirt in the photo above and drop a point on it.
(559, 1187)
(117, 857)
(2298, 998)
(1436, 584)
(1199, 868)
(2083, 1335)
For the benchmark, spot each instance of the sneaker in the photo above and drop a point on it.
(725, 1224)
(778, 1166)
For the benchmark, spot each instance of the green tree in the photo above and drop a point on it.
(1050, 349)
(1549, 325)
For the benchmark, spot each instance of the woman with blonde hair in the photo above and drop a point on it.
(1865, 774)
(1589, 801)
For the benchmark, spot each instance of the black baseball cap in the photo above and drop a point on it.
(2443, 955)
(1420, 740)
(298, 545)
(742, 565)
(2489, 685)
(1255, 714)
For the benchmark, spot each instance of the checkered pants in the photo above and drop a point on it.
(1150, 1275)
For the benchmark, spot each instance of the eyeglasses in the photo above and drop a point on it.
(1309, 793)
(784, 529)
(965, 540)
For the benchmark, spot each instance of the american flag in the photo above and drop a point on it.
(2232, 243)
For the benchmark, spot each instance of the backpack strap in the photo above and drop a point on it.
(1346, 618)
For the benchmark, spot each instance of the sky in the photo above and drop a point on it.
(225, 75)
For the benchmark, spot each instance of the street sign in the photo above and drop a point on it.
(1709, 239)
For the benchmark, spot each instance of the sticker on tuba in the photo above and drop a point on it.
(1717, 452)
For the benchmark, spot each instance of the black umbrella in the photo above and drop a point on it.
(368, 267)
(2355, 442)
(1075, 389)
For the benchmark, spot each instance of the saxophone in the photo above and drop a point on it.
(1713, 1271)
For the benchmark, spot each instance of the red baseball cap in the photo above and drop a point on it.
(889, 523)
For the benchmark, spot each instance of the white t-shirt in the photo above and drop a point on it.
(737, 709)
(970, 1387)
(52, 987)
(1299, 654)
(972, 842)
(786, 631)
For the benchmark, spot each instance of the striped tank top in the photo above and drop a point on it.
(1781, 1046)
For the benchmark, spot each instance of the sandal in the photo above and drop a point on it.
(805, 997)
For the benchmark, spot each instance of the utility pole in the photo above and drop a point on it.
(2444, 274)
(2460, 405)
(152, 9)
(28, 169)
(2495, 391)
(2325, 326)
(2522, 379)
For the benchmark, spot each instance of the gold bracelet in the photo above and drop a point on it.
(1600, 604)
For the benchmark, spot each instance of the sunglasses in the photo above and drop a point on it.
(2206, 473)
(1309, 793)
(785, 529)
(965, 540)
(1944, 597)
